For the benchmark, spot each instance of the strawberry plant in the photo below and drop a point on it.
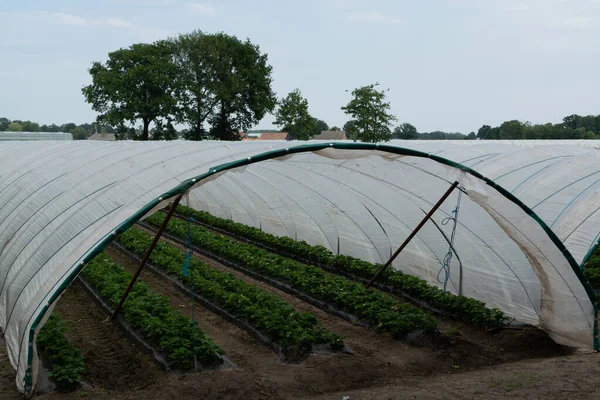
(458, 307)
(264, 311)
(380, 311)
(592, 270)
(151, 314)
(67, 364)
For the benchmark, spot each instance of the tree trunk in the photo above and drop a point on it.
(145, 133)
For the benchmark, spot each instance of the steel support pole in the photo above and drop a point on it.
(413, 233)
(147, 255)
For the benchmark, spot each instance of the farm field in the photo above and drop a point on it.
(187, 213)
(362, 360)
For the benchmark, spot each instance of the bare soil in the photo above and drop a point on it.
(112, 361)
(507, 363)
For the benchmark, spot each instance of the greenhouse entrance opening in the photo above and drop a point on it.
(61, 204)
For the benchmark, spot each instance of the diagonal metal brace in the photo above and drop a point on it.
(413, 233)
(162, 228)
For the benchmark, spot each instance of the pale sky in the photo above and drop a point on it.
(450, 65)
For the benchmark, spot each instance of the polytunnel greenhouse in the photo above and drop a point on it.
(527, 216)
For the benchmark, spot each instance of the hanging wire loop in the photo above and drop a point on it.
(444, 273)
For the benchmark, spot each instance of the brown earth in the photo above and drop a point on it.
(502, 364)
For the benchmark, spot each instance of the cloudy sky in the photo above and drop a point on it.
(450, 65)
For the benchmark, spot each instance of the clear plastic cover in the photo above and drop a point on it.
(58, 200)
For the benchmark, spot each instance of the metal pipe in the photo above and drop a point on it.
(414, 232)
(163, 226)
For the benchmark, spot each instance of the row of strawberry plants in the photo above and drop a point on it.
(592, 270)
(458, 307)
(380, 311)
(172, 333)
(296, 333)
(66, 361)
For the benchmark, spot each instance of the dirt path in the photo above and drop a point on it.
(571, 377)
(112, 361)
(8, 388)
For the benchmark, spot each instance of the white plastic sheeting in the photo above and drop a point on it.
(29, 136)
(60, 203)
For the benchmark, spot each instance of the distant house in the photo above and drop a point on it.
(109, 137)
(267, 136)
(251, 136)
(331, 135)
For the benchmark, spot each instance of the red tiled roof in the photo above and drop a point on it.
(273, 136)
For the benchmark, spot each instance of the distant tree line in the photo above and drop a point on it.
(79, 132)
(573, 127)
(407, 131)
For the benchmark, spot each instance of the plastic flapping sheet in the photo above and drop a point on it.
(63, 202)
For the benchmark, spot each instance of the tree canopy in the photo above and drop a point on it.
(241, 85)
(196, 101)
(351, 130)
(405, 131)
(370, 114)
(193, 79)
(137, 83)
(293, 117)
(319, 126)
(572, 127)
(4, 122)
(14, 127)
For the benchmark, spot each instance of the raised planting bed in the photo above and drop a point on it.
(268, 318)
(377, 310)
(174, 336)
(395, 282)
(66, 361)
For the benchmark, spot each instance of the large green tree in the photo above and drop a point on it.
(79, 133)
(319, 126)
(405, 131)
(293, 117)
(483, 131)
(135, 84)
(197, 100)
(370, 114)
(241, 85)
(14, 127)
(29, 126)
(164, 132)
(351, 130)
(223, 82)
(4, 122)
(68, 127)
(513, 130)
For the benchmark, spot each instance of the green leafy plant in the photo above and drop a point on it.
(381, 312)
(67, 364)
(592, 270)
(172, 333)
(458, 307)
(264, 311)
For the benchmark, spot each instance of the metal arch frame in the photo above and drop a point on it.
(312, 147)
